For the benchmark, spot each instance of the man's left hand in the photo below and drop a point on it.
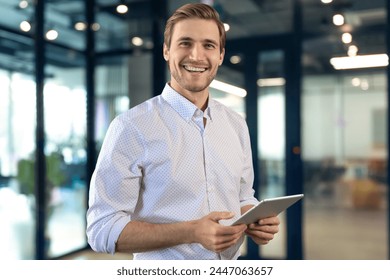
(264, 230)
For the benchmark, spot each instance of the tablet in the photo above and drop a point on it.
(266, 208)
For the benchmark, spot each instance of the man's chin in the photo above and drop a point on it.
(192, 84)
(196, 89)
(193, 87)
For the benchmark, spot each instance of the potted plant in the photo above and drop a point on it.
(55, 177)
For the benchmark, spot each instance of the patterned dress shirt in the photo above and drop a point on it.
(160, 164)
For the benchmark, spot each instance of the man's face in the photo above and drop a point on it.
(194, 55)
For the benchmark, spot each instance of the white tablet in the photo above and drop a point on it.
(266, 208)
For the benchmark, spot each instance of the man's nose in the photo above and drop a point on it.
(197, 52)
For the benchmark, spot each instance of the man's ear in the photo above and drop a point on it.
(222, 55)
(166, 52)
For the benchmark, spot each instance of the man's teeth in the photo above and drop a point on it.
(194, 69)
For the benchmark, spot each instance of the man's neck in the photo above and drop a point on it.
(199, 99)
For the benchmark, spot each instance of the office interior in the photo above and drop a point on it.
(310, 77)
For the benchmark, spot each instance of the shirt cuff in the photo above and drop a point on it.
(116, 230)
(252, 201)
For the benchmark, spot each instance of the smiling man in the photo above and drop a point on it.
(173, 169)
(194, 57)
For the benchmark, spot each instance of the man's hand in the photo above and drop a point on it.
(216, 237)
(264, 230)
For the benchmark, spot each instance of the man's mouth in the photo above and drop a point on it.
(194, 69)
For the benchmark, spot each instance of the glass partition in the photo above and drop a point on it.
(65, 126)
(344, 140)
(344, 133)
(17, 149)
(271, 139)
(65, 151)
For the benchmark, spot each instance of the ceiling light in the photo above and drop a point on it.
(226, 26)
(326, 1)
(355, 82)
(149, 45)
(364, 85)
(235, 59)
(352, 50)
(95, 26)
(208, 2)
(137, 41)
(346, 38)
(360, 61)
(338, 19)
(228, 88)
(122, 9)
(23, 4)
(51, 35)
(271, 82)
(80, 26)
(25, 26)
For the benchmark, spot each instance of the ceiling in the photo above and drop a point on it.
(365, 20)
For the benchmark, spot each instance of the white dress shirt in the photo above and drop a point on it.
(160, 164)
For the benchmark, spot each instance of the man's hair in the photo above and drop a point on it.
(190, 11)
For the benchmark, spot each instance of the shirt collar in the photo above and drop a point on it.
(185, 108)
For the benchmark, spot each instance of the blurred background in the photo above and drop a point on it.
(309, 76)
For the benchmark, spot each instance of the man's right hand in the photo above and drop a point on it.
(214, 236)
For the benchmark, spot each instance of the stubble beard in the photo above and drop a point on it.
(187, 84)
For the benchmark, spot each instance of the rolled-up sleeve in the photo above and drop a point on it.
(115, 185)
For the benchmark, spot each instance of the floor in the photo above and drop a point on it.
(340, 233)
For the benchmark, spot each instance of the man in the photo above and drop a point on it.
(175, 168)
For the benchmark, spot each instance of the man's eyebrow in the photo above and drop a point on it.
(211, 41)
(187, 38)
